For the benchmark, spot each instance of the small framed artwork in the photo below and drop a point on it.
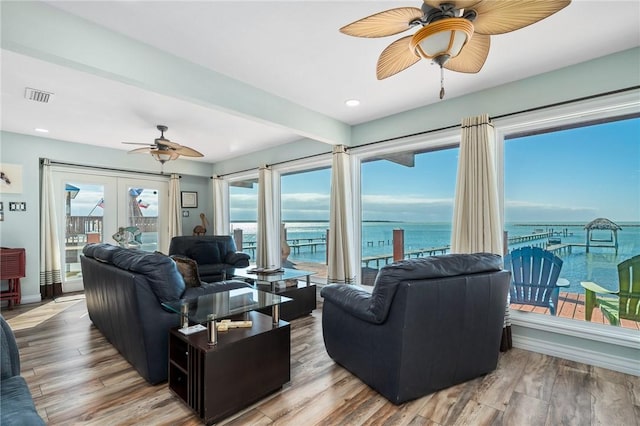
(10, 178)
(189, 199)
(185, 213)
(1, 206)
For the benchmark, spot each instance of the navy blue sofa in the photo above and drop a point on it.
(124, 289)
(16, 403)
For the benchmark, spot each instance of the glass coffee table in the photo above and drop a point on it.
(302, 291)
(228, 303)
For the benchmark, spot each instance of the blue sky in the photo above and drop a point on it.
(571, 175)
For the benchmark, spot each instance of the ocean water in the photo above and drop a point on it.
(599, 265)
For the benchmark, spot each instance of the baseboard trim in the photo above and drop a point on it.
(578, 354)
(34, 298)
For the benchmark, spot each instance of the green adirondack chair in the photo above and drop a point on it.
(626, 302)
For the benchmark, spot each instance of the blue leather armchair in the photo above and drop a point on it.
(214, 254)
(429, 323)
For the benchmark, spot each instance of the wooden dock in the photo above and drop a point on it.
(388, 258)
(296, 244)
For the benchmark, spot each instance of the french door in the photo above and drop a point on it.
(122, 210)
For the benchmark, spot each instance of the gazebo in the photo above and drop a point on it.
(604, 224)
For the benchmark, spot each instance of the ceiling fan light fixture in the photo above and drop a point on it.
(442, 40)
(162, 156)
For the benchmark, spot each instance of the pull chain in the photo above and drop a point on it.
(441, 82)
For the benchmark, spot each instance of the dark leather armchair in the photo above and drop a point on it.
(429, 323)
(214, 254)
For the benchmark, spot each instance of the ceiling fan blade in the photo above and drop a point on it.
(137, 143)
(458, 4)
(473, 55)
(395, 58)
(389, 22)
(188, 152)
(499, 17)
(140, 150)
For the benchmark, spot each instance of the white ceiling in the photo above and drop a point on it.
(290, 49)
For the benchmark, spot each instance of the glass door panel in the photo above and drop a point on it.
(83, 224)
(142, 218)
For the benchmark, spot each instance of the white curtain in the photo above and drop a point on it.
(268, 240)
(342, 262)
(476, 211)
(175, 212)
(220, 206)
(50, 266)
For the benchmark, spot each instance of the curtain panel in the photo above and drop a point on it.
(221, 225)
(341, 250)
(50, 266)
(175, 211)
(268, 240)
(476, 211)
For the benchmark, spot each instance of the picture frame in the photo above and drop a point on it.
(10, 178)
(185, 213)
(189, 199)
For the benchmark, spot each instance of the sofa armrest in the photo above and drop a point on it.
(351, 299)
(237, 258)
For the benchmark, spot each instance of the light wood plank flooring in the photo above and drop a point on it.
(77, 377)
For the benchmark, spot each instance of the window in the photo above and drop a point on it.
(305, 219)
(408, 194)
(243, 214)
(557, 182)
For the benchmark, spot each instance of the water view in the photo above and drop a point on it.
(599, 265)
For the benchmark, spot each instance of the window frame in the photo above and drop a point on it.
(577, 114)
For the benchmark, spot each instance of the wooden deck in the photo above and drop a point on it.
(571, 305)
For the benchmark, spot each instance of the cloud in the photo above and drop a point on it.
(520, 211)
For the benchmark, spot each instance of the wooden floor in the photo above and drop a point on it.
(77, 377)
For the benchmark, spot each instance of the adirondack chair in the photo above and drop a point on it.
(627, 303)
(534, 277)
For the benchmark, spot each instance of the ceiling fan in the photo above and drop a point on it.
(163, 149)
(455, 34)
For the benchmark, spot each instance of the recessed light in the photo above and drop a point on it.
(37, 129)
(352, 103)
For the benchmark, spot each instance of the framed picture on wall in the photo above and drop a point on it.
(10, 178)
(189, 199)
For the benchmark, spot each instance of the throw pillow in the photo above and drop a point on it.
(189, 270)
(205, 253)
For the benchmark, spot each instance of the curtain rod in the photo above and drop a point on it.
(62, 163)
(454, 126)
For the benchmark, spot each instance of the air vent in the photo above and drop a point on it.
(37, 95)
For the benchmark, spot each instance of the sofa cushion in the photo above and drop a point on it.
(104, 252)
(205, 252)
(237, 258)
(161, 272)
(188, 268)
